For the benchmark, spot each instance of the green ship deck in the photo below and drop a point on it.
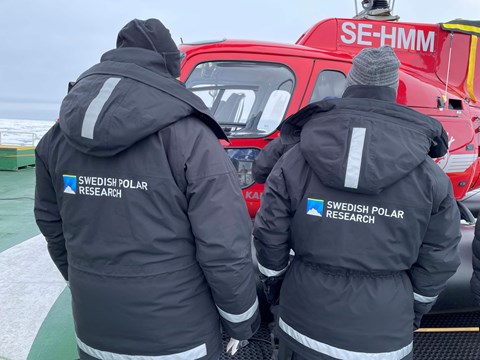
(35, 317)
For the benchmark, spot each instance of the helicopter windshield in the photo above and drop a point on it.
(248, 99)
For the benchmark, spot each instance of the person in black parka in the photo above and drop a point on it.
(267, 158)
(371, 218)
(270, 154)
(142, 210)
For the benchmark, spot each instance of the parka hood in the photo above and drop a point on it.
(151, 34)
(128, 96)
(364, 142)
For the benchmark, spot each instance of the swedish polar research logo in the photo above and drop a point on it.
(314, 207)
(70, 184)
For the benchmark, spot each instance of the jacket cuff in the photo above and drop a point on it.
(422, 305)
(241, 326)
(269, 272)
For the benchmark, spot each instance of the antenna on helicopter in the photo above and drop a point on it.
(376, 10)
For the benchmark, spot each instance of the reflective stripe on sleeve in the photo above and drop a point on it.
(354, 162)
(270, 273)
(338, 353)
(234, 318)
(192, 354)
(96, 106)
(424, 299)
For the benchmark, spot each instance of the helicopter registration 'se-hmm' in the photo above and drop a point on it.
(252, 86)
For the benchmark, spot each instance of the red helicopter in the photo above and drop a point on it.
(251, 86)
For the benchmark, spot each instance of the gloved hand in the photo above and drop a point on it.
(232, 346)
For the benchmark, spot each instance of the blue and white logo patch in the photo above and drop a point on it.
(70, 184)
(314, 207)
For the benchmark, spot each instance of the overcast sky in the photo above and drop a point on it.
(44, 44)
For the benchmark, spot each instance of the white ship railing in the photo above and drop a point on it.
(33, 136)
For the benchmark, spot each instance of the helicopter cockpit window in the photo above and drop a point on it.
(329, 84)
(248, 99)
(274, 111)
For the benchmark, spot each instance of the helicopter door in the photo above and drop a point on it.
(327, 81)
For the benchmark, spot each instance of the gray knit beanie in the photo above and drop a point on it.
(376, 67)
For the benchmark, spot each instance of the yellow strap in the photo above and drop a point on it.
(471, 68)
(469, 28)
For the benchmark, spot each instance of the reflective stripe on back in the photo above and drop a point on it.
(354, 162)
(338, 353)
(192, 354)
(96, 106)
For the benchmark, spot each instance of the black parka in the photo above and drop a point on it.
(267, 158)
(372, 221)
(143, 214)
